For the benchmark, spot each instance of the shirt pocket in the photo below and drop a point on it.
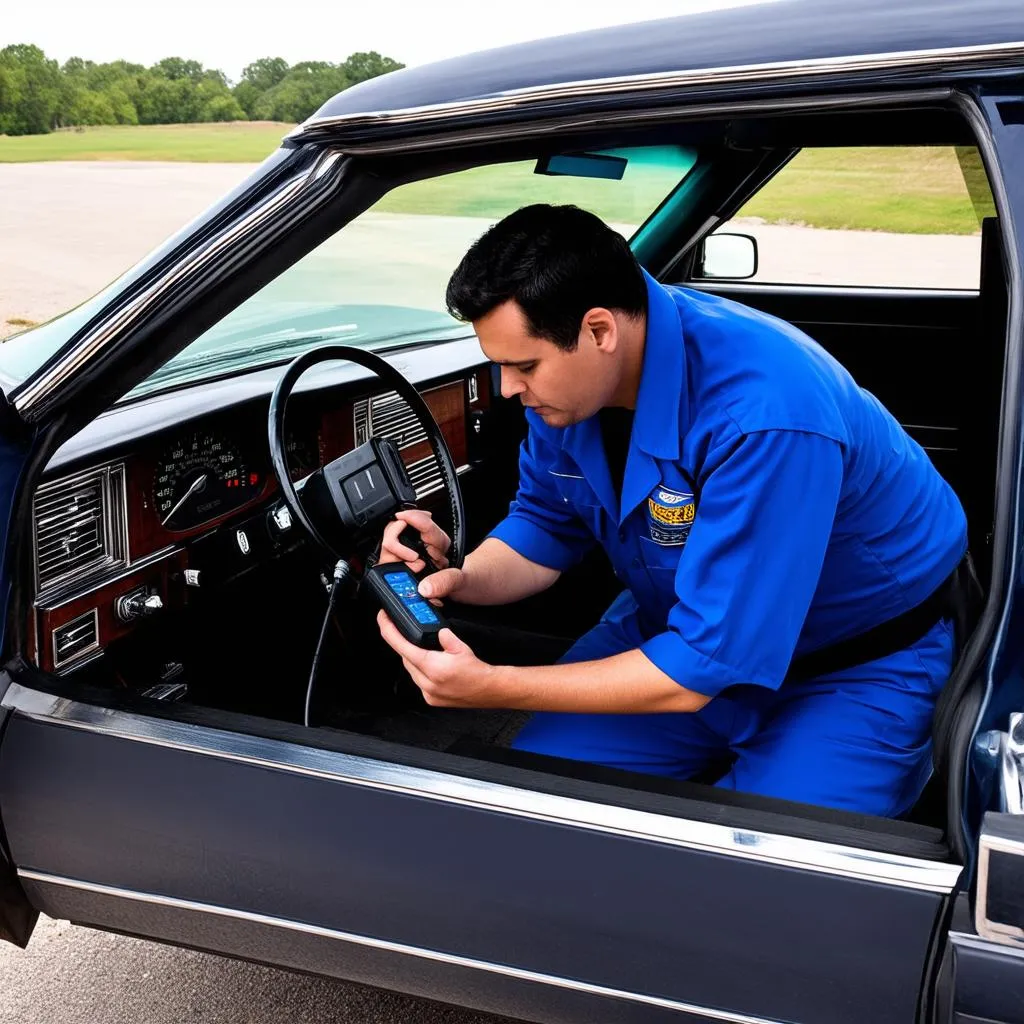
(573, 488)
(660, 562)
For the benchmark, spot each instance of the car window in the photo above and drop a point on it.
(891, 217)
(381, 279)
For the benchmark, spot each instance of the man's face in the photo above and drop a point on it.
(561, 387)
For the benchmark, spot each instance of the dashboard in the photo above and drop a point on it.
(175, 494)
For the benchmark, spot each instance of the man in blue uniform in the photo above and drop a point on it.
(788, 552)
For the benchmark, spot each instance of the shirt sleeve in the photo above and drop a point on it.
(541, 525)
(752, 560)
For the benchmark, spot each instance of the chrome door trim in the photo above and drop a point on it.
(365, 144)
(514, 100)
(966, 940)
(29, 400)
(788, 851)
(384, 945)
(996, 932)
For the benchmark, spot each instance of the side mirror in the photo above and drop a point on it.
(726, 256)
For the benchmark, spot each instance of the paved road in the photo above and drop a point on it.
(71, 975)
(67, 230)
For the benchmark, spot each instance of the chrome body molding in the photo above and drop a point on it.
(996, 932)
(801, 854)
(363, 142)
(965, 940)
(29, 401)
(986, 56)
(434, 955)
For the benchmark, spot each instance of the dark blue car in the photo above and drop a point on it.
(194, 748)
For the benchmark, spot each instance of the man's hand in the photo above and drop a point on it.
(440, 584)
(453, 677)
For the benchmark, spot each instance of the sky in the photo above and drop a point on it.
(229, 36)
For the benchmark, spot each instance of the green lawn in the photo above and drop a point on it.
(239, 142)
(918, 191)
(915, 191)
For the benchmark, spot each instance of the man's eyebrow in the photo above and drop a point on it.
(512, 362)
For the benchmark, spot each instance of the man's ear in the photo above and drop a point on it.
(604, 328)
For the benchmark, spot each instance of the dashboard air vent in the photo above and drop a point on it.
(75, 638)
(79, 526)
(390, 417)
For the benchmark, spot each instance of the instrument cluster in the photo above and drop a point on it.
(204, 474)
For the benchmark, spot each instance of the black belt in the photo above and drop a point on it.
(959, 599)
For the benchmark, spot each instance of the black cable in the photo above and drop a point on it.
(342, 571)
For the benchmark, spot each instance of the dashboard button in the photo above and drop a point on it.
(282, 518)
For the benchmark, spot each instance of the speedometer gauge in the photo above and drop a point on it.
(200, 477)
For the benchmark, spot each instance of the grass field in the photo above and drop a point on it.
(919, 191)
(235, 142)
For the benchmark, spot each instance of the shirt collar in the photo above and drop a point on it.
(662, 409)
(662, 406)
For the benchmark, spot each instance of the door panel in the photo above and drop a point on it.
(988, 982)
(17, 916)
(523, 888)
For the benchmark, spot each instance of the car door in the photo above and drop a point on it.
(509, 887)
(484, 885)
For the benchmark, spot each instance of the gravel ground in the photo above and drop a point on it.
(68, 229)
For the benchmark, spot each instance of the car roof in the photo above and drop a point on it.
(768, 32)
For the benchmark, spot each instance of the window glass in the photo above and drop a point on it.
(897, 217)
(381, 279)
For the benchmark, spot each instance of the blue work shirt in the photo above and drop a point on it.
(769, 507)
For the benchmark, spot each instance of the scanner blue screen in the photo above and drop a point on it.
(404, 586)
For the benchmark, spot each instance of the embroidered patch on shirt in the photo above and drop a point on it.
(670, 515)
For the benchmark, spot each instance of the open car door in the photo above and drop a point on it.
(493, 886)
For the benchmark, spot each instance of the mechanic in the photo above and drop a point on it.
(756, 504)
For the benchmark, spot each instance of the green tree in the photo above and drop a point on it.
(216, 102)
(33, 87)
(38, 95)
(265, 73)
(305, 88)
(86, 107)
(362, 66)
(175, 68)
(257, 78)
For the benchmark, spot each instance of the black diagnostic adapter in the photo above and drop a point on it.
(396, 587)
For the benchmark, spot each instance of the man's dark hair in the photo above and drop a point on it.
(556, 262)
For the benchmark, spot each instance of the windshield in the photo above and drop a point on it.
(381, 280)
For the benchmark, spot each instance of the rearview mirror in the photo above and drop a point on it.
(726, 256)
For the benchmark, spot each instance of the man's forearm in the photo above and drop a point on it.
(496, 574)
(627, 683)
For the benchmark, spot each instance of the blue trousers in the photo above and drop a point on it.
(857, 740)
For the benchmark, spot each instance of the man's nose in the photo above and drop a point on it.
(511, 383)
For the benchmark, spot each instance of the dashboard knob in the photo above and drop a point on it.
(137, 604)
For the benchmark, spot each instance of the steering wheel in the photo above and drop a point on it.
(325, 507)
